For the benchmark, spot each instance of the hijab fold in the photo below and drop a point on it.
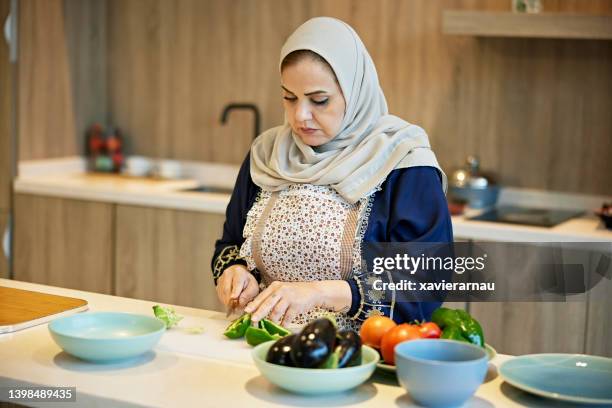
(371, 143)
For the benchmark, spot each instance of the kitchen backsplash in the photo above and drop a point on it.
(536, 111)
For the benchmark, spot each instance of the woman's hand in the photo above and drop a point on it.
(281, 302)
(236, 282)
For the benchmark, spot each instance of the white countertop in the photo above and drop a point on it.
(587, 228)
(204, 370)
(66, 178)
(120, 189)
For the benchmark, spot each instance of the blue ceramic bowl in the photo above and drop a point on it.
(440, 373)
(476, 197)
(564, 377)
(315, 380)
(106, 336)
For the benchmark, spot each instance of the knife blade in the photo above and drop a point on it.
(231, 307)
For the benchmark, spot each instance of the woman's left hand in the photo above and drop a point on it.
(281, 302)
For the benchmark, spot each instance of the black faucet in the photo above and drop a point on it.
(248, 106)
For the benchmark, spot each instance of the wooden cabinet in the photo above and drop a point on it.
(4, 265)
(530, 327)
(164, 255)
(5, 116)
(5, 138)
(580, 324)
(141, 252)
(62, 242)
(599, 312)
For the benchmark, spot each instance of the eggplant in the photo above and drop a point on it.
(314, 344)
(280, 352)
(348, 348)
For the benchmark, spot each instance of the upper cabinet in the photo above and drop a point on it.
(540, 25)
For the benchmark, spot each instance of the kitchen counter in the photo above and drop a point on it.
(183, 370)
(66, 178)
(77, 184)
(581, 229)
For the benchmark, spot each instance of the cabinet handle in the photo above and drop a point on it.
(6, 240)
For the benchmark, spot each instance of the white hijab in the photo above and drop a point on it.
(370, 144)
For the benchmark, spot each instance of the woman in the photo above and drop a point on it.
(339, 173)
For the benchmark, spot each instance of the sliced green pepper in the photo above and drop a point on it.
(265, 330)
(238, 327)
(332, 361)
(274, 328)
(255, 335)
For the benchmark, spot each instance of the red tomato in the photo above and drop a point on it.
(430, 330)
(396, 335)
(373, 329)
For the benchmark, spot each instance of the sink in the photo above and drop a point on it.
(209, 189)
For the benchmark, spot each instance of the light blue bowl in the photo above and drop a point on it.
(106, 336)
(564, 377)
(315, 380)
(440, 373)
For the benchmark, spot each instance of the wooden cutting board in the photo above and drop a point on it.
(24, 308)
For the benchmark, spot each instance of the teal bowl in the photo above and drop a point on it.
(315, 380)
(438, 372)
(106, 336)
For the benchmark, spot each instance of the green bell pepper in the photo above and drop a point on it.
(453, 333)
(265, 330)
(471, 329)
(458, 325)
(238, 327)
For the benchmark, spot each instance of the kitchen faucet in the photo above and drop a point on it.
(248, 106)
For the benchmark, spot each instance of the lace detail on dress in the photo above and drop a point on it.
(371, 300)
(249, 227)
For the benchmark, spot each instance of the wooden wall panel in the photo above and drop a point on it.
(63, 242)
(529, 108)
(86, 36)
(4, 263)
(46, 121)
(164, 255)
(5, 116)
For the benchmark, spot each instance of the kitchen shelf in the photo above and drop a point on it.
(540, 25)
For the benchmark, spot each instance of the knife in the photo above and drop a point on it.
(233, 304)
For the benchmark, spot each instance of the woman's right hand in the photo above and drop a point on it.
(236, 282)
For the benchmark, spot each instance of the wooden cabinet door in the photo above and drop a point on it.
(535, 326)
(63, 242)
(599, 322)
(4, 265)
(6, 150)
(164, 255)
